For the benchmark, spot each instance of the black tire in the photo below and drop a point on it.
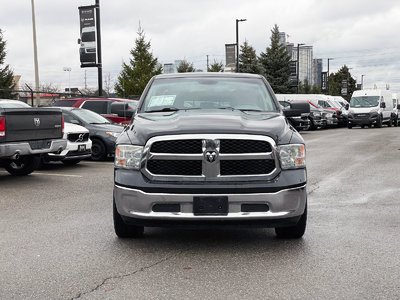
(23, 166)
(390, 122)
(312, 125)
(362, 126)
(349, 125)
(396, 122)
(293, 232)
(123, 230)
(71, 162)
(369, 125)
(98, 150)
(379, 122)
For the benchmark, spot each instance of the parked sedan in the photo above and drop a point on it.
(102, 133)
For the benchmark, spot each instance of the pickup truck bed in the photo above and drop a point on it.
(25, 134)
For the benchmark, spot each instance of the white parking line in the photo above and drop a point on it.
(56, 174)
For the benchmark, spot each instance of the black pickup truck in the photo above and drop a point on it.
(211, 149)
(26, 133)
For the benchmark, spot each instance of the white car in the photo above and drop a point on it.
(78, 145)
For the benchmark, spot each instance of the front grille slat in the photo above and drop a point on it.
(175, 167)
(247, 167)
(243, 146)
(177, 146)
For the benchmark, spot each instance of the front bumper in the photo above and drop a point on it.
(24, 148)
(285, 197)
(72, 151)
(365, 120)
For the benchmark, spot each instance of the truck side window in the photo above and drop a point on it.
(100, 107)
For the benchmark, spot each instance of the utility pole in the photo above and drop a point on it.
(362, 81)
(327, 81)
(207, 64)
(237, 42)
(99, 62)
(298, 65)
(35, 56)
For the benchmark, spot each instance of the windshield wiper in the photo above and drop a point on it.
(163, 109)
(241, 109)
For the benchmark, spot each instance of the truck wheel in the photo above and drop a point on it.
(349, 125)
(23, 166)
(362, 126)
(293, 232)
(98, 150)
(390, 122)
(396, 122)
(379, 122)
(123, 230)
(71, 162)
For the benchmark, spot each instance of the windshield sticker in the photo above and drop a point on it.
(163, 100)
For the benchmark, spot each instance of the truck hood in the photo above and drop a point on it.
(147, 125)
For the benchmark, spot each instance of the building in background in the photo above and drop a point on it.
(317, 72)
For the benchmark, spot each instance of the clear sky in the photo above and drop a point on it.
(365, 35)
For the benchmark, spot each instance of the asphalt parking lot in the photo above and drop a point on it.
(57, 239)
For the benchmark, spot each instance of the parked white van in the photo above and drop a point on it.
(87, 42)
(370, 107)
(396, 110)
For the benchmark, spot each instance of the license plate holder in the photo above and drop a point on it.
(81, 148)
(210, 206)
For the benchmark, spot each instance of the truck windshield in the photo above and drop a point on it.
(364, 101)
(246, 94)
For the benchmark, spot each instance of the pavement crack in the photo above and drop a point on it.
(142, 269)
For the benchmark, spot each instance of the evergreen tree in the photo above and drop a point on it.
(141, 67)
(216, 67)
(6, 74)
(185, 66)
(335, 83)
(248, 61)
(275, 64)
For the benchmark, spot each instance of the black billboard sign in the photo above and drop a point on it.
(230, 54)
(88, 34)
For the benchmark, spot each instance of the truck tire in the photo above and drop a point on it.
(71, 162)
(293, 232)
(379, 122)
(349, 125)
(23, 166)
(98, 150)
(390, 122)
(123, 230)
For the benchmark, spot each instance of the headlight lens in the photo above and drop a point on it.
(128, 156)
(113, 134)
(292, 156)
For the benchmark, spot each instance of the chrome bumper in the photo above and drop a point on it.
(23, 148)
(137, 204)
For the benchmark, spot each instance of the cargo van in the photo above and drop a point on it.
(370, 107)
(396, 110)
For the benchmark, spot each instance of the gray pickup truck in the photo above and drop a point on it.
(211, 149)
(26, 133)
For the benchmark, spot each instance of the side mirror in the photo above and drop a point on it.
(383, 105)
(79, 41)
(297, 108)
(347, 106)
(121, 109)
(76, 122)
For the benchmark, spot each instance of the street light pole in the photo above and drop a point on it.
(362, 81)
(237, 43)
(35, 56)
(327, 81)
(298, 65)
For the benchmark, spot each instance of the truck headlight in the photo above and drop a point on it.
(128, 156)
(292, 156)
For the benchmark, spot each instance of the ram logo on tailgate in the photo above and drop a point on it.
(36, 121)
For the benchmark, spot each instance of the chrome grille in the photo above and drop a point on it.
(210, 157)
(77, 137)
